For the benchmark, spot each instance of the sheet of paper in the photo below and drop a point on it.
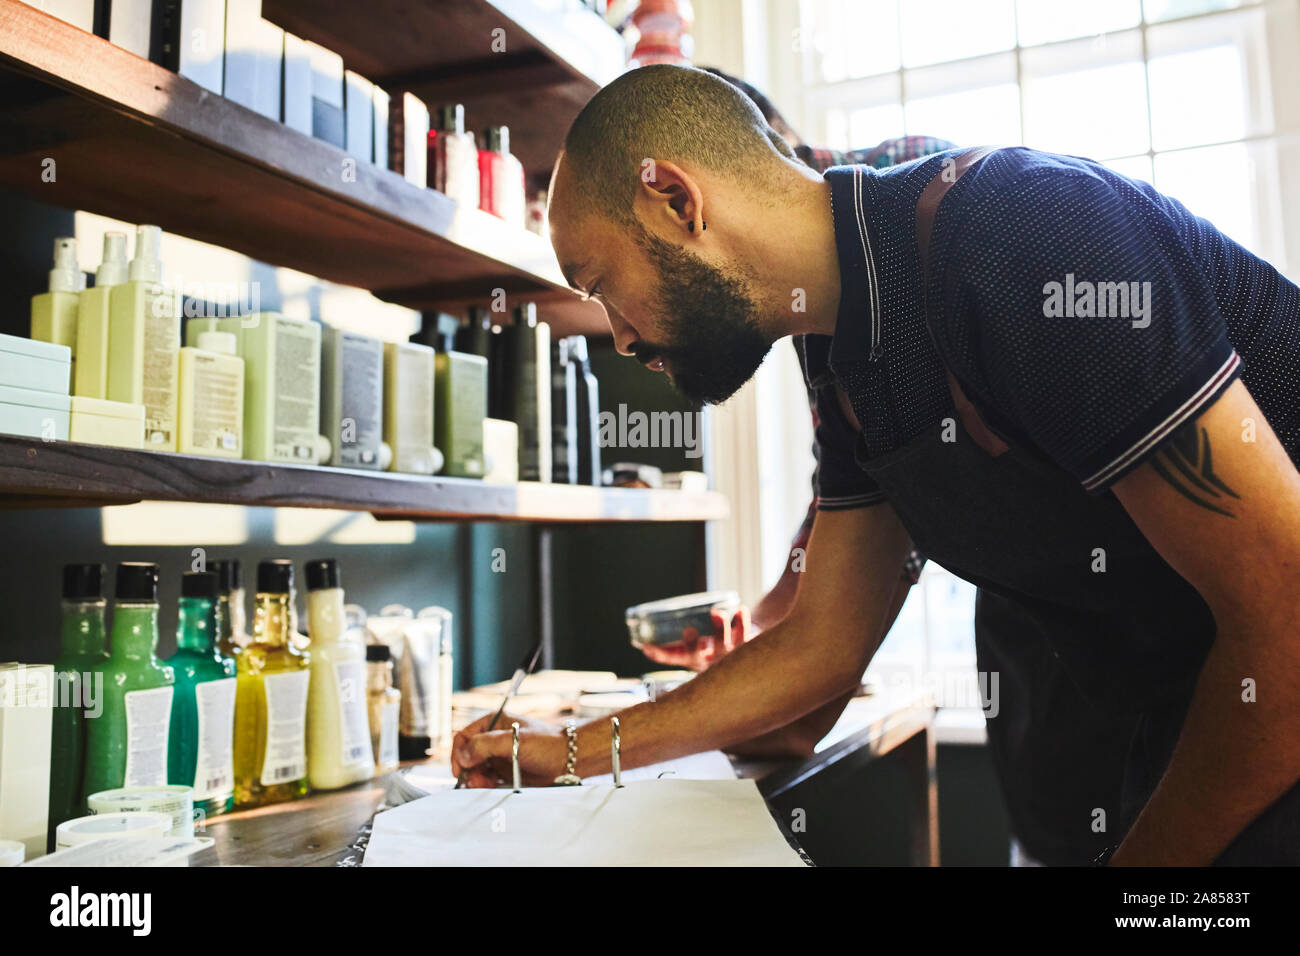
(646, 823)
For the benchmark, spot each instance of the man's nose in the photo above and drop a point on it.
(624, 335)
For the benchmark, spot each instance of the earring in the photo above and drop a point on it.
(690, 226)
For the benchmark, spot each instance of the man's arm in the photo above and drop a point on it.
(816, 654)
(1225, 513)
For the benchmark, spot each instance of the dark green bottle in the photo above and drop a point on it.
(84, 645)
(199, 749)
(126, 743)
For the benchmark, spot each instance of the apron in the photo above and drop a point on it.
(1129, 631)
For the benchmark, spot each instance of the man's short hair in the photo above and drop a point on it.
(672, 113)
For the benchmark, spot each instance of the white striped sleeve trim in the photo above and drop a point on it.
(845, 502)
(1180, 415)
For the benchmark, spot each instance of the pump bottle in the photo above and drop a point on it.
(54, 313)
(93, 316)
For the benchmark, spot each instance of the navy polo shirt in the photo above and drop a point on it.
(1084, 313)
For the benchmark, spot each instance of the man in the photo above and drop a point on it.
(1059, 756)
(1125, 458)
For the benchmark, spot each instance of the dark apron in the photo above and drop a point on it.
(1132, 638)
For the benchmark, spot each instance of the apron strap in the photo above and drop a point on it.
(926, 208)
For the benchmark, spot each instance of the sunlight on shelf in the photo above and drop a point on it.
(174, 523)
(294, 526)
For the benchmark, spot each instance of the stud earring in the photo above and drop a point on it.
(690, 226)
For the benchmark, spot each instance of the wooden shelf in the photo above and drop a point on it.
(527, 64)
(133, 141)
(35, 474)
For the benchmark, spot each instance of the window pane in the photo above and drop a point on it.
(1171, 9)
(1216, 184)
(935, 31)
(1087, 99)
(851, 38)
(1041, 21)
(1197, 97)
(1219, 78)
(870, 126)
(1134, 167)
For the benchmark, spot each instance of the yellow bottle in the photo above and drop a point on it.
(210, 406)
(338, 729)
(271, 699)
(144, 327)
(54, 313)
(90, 377)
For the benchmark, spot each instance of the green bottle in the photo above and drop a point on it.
(460, 403)
(203, 707)
(126, 744)
(84, 644)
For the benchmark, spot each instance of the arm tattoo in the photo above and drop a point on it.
(1184, 462)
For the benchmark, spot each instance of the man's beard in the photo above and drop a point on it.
(715, 345)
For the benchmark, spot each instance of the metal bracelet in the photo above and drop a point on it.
(570, 777)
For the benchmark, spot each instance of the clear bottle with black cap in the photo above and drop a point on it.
(588, 412)
(271, 698)
(203, 706)
(338, 731)
(383, 703)
(232, 617)
(84, 644)
(126, 744)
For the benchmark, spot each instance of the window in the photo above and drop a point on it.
(1199, 97)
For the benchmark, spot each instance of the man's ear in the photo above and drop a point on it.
(670, 196)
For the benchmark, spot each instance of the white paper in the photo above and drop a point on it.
(646, 823)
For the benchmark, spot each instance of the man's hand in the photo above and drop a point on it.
(697, 652)
(1220, 501)
(543, 749)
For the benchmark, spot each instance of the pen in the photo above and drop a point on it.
(523, 670)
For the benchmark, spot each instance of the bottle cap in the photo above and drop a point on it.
(199, 584)
(83, 582)
(450, 118)
(322, 574)
(223, 342)
(577, 347)
(137, 581)
(147, 264)
(526, 314)
(66, 276)
(275, 577)
(496, 139)
(112, 271)
(378, 652)
(230, 574)
(447, 327)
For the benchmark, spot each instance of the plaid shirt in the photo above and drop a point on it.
(891, 152)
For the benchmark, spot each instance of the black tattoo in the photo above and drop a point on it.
(1184, 461)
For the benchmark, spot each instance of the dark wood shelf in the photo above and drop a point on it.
(136, 142)
(534, 75)
(36, 474)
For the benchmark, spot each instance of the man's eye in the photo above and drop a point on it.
(595, 291)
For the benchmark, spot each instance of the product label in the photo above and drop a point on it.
(286, 728)
(218, 403)
(354, 724)
(387, 755)
(362, 399)
(148, 720)
(214, 773)
(297, 391)
(162, 342)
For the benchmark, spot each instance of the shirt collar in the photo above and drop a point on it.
(858, 324)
